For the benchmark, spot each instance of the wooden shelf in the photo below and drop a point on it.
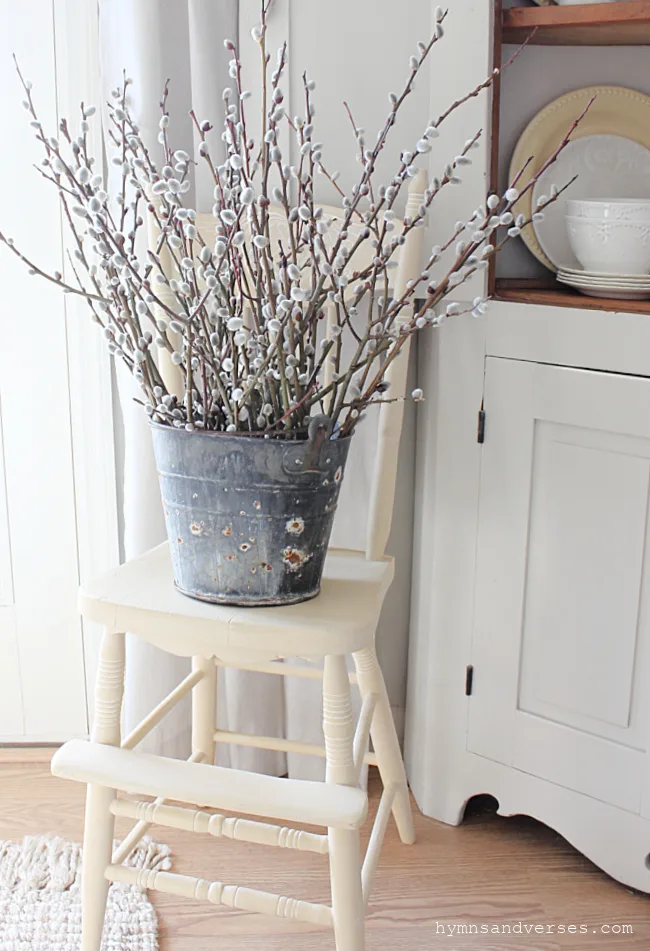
(625, 23)
(551, 294)
(622, 23)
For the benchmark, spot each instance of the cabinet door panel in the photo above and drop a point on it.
(561, 629)
(587, 537)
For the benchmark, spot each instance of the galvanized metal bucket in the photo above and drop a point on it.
(249, 518)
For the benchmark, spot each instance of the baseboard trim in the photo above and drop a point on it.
(28, 754)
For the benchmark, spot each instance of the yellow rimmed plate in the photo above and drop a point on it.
(616, 111)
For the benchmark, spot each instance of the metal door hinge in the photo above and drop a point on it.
(469, 680)
(480, 435)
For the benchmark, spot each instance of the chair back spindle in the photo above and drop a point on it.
(171, 375)
(391, 415)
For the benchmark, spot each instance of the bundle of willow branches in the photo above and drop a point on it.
(242, 315)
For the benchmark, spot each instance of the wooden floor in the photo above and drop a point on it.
(489, 871)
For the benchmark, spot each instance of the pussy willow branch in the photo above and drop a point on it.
(239, 312)
(399, 179)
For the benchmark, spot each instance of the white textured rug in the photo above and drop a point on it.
(40, 898)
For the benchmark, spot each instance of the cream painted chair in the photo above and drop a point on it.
(140, 597)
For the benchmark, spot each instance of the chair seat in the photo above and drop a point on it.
(140, 597)
(215, 787)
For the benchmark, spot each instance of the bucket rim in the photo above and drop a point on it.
(273, 439)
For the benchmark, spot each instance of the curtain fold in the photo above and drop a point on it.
(153, 41)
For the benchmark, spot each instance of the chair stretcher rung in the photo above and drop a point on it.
(278, 744)
(230, 827)
(234, 896)
(371, 858)
(141, 828)
(160, 712)
(214, 787)
(283, 670)
(362, 732)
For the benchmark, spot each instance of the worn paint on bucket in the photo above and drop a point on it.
(249, 519)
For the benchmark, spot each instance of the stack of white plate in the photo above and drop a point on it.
(603, 284)
(608, 203)
(611, 240)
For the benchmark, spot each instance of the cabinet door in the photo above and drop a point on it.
(561, 628)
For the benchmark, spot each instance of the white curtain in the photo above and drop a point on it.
(182, 40)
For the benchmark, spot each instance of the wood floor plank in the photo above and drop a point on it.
(487, 872)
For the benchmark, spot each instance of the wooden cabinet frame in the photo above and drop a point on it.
(592, 24)
(541, 325)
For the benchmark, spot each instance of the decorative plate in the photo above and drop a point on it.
(607, 166)
(567, 3)
(606, 275)
(615, 291)
(616, 111)
(602, 282)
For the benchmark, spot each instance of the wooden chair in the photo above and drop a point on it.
(140, 597)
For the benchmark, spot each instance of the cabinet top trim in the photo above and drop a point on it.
(622, 23)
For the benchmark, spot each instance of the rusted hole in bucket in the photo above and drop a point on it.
(295, 558)
(295, 526)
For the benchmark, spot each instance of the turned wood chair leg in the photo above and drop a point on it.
(99, 822)
(385, 741)
(97, 848)
(344, 849)
(348, 910)
(204, 709)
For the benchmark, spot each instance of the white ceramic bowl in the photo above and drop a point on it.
(615, 209)
(612, 247)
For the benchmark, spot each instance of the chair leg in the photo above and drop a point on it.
(100, 823)
(97, 849)
(345, 856)
(204, 709)
(385, 742)
(348, 910)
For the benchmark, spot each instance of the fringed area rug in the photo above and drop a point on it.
(40, 898)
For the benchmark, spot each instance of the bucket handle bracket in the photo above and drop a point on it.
(305, 457)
